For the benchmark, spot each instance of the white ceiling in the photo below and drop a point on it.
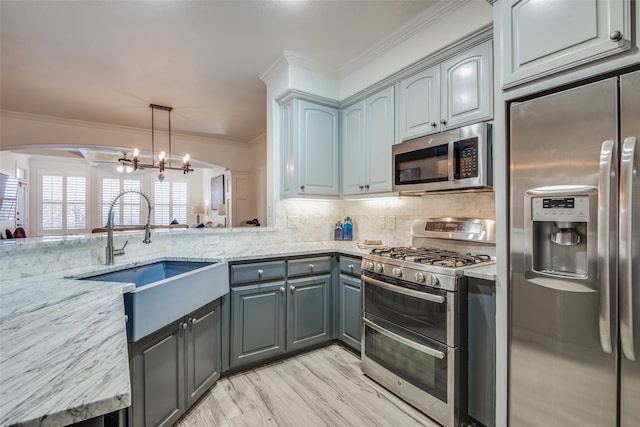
(106, 60)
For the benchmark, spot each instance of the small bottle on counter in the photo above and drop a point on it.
(347, 229)
(337, 232)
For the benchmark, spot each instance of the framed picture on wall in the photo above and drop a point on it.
(217, 192)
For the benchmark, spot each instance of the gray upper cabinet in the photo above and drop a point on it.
(309, 147)
(456, 92)
(367, 136)
(466, 87)
(543, 38)
(419, 104)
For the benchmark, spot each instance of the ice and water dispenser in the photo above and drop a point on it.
(561, 232)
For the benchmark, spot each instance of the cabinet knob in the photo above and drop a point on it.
(443, 122)
(311, 267)
(292, 289)
(351, 267)
(366, 187)
(434, 124)
(302, 188)
(192, 320)
(361, 187)
(260, 272)
(282, 289)
(183, 325)
(615, 36)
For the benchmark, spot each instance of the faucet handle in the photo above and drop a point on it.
(120, 251)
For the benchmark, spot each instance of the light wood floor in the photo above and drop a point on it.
(324, 387)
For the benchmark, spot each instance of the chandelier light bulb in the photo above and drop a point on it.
(136, 152)
(185, 159)
(161, 156)
(120, 168)
(129, 169)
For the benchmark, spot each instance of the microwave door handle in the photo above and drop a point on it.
(450, 165)
(604, 206)
(409, 292)
(626, 247)
(409, 343)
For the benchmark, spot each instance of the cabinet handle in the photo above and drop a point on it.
(434, 124)
(311, 267)
(292, 289)
(615, 36)
(260, 272)
(443, 122)
(302, 188)
(126, 319)
(282, 289)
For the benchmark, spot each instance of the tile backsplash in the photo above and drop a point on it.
(385, 218)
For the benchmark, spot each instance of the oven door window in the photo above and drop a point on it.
(424, 317)
(424, 165)
(423, 370)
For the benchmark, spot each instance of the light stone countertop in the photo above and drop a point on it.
(486, 272)
(63, 351)
(63, 341)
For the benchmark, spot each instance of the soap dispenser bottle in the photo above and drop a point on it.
(347, 229)
(337, 232)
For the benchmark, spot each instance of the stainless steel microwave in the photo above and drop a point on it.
(459, 159)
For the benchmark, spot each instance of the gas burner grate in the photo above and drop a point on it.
(439, 257)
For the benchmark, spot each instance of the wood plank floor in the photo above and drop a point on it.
(324, 387)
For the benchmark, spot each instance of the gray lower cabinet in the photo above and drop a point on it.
(271, 317)
(172, 367)
(257, 322)
(481, 359)
(308, 311)
(349, 302)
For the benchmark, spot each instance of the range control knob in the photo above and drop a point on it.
(419, 277)
(379, 268)
(432, 280)
(369, 265)
(397, 272)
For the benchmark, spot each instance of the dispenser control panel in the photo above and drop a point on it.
(573, 208)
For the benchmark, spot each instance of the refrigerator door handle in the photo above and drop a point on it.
(604, 197)
(625, 250)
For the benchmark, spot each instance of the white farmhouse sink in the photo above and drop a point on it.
(166, 290)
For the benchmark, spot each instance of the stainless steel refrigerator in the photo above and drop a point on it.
(574, 314)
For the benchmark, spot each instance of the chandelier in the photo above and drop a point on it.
(164, 163)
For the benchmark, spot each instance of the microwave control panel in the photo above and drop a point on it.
(466, 152)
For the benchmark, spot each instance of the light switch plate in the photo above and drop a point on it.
(391, 222)
(293, 221)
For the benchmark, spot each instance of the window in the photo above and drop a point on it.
(63, 203)
(170, 202)
(126, 211)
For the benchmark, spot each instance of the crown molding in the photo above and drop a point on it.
(275, 69)
(433, 14)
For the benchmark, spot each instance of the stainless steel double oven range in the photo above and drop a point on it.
(414, 312)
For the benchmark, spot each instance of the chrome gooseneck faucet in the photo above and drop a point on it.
(112, 253)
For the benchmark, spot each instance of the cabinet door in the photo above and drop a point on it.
(542, 38)
(379, 134)
(419, 104)
(353, 149)
(288, 184)
(308, 311)
(467, 89)
(350, 311)
(202, 350)
(157, 377)
(318, 145)
(257, 322)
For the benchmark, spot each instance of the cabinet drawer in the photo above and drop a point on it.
(306, 266)
(349, 265)
(255, 272)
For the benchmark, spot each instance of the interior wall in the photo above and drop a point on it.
(259, 169)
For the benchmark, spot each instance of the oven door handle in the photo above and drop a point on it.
(410, 292)
(420, 347)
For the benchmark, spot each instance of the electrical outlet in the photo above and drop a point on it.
(391, 222)
(293, 221)
(380, 222)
